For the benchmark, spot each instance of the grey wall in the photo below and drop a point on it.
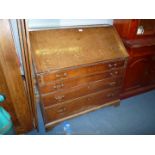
(54, 23)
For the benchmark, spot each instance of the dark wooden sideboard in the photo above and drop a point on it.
(138, 36)
(77, 70)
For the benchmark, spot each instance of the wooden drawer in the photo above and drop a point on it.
(72, 82)
(82, 90)
(81, 71)
(69, 108)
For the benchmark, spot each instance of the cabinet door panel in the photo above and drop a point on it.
(137, 72)
(151, 78)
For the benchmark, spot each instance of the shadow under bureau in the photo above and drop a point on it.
(77, 70)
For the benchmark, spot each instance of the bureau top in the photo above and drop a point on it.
(61, 48)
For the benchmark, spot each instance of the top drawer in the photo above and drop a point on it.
(81, 71)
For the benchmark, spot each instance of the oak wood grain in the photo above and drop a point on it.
(77, 69)
(13, 80)
(76, 46)
(80, 104)
(81, 90)
(27, 65)
(72, 82)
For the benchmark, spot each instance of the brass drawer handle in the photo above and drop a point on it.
(110, 65)
(115, 73)
(110, 95)
(65, 74)
(88, 99)
(58, 86)
(111, 74)
(115, 65)
(88, 87)
(61, 75)
(59, 97)
(61, 110)
(112, 83)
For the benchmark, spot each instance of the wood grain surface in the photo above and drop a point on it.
(56, 49)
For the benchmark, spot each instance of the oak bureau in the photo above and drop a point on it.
(77, 70)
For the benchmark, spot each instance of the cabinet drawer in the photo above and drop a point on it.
(81, 71)
(82, 90)
(72, 82)
(84, 103)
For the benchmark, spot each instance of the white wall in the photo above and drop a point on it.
(54, 23)
(14, 27)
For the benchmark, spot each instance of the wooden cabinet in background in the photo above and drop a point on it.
(151, 72)
(148, 26)
(130, 29)
(136, 73)
(138, 36)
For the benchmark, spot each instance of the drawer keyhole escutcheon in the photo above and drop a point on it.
(59, 98)
(58, 75)
(61, 110)
(110, 65)
(112, 83)
(110, 95)
(58, 86)
(114, 73)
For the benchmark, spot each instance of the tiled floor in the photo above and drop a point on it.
(135, 115)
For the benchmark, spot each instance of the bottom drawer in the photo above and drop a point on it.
(84, 103)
